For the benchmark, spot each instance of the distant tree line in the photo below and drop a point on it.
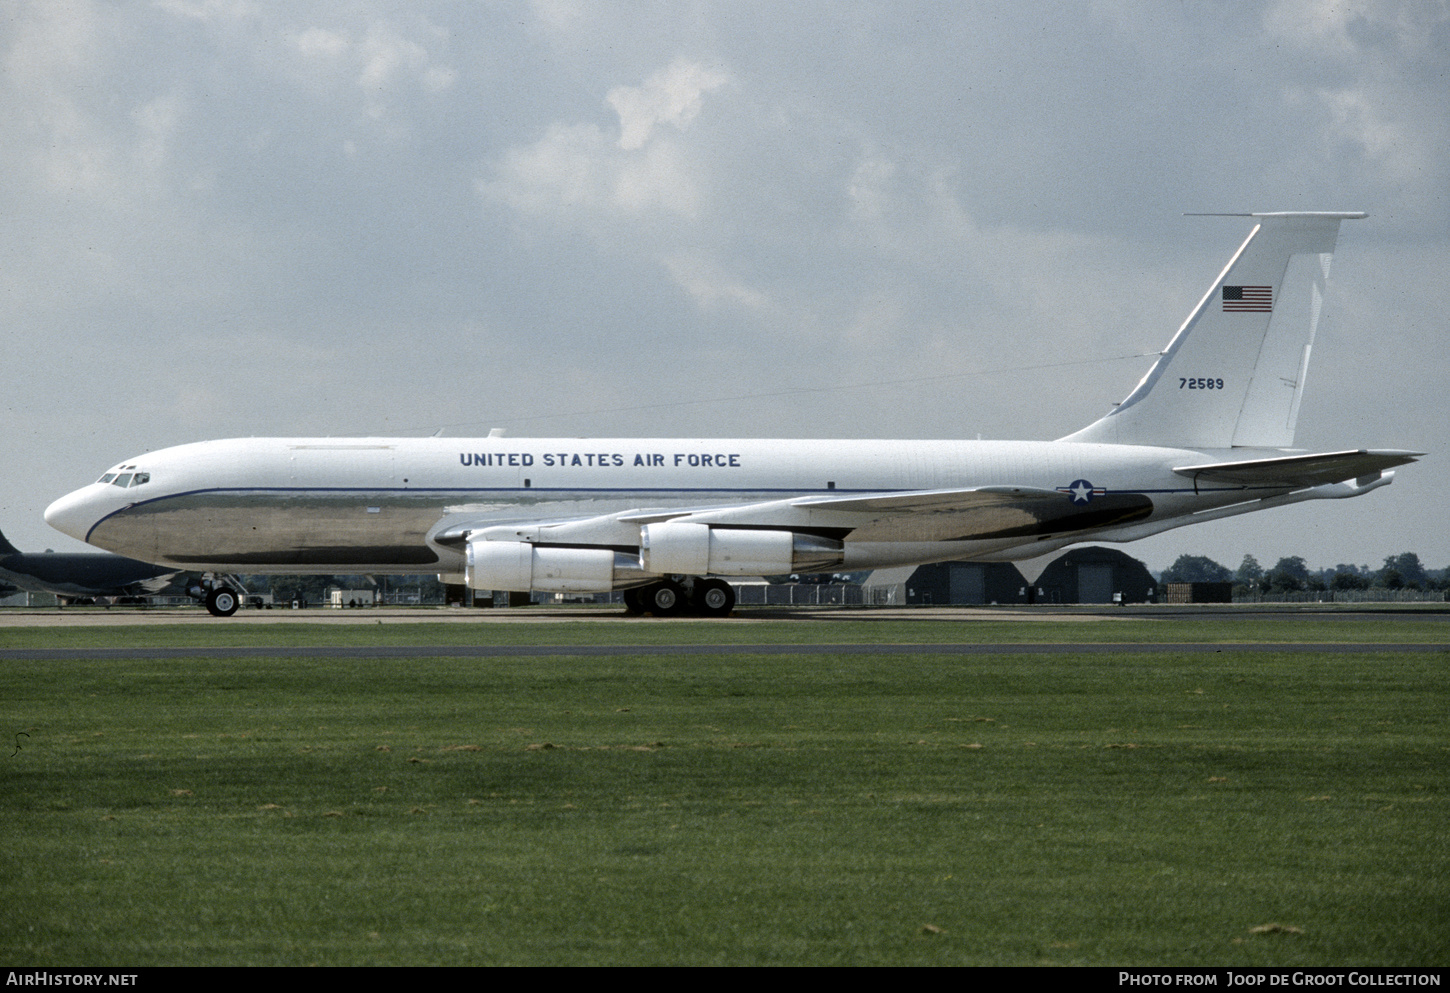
(1292, 574)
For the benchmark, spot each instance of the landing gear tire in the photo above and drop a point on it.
(713, 598)
(222, 602)
(634, 604)
(666, 599)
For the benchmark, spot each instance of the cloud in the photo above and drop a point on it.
(380, 61)
(320, 43)
(207, 10)
(1384, 51)
(560, 15)
(711, 286)
(672, 96)
(1359, 119)
(157, 122)
(1359, 29)
(649, 167)
(385, 55)
(576, 169)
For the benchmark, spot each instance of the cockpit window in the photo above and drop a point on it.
(140, 478)
(107, 477)
(124, 479)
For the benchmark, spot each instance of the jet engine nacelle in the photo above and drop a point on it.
(520, 566)
(680, 548)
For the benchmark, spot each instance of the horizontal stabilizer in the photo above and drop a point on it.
(1300, 470)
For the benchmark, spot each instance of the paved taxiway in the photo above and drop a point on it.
(100, 617)
(28, 617)
(132, 616)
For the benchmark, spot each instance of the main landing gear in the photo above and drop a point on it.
(222, 601)
(672, 598)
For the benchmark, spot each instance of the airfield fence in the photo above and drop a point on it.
(803, 595)
(812, 595)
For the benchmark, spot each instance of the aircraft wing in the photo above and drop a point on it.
(980, 513)
(922, 515)
(1300, 470)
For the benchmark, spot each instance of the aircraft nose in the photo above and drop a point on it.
(72, 514)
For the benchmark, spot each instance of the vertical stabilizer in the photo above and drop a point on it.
(1234, 373)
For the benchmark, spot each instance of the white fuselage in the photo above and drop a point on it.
(376, 505)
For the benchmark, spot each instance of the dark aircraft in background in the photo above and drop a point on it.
(84, 575)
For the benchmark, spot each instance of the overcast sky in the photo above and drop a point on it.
(835, 219)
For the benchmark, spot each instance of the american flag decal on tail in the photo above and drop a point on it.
(1252, 299)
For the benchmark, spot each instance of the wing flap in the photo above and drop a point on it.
(1301, 470)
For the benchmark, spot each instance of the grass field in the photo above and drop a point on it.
(832, 809)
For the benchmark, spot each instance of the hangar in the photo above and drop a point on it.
(1092, 574)
(966, 582)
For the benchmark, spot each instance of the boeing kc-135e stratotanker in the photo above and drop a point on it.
(1205, 435)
